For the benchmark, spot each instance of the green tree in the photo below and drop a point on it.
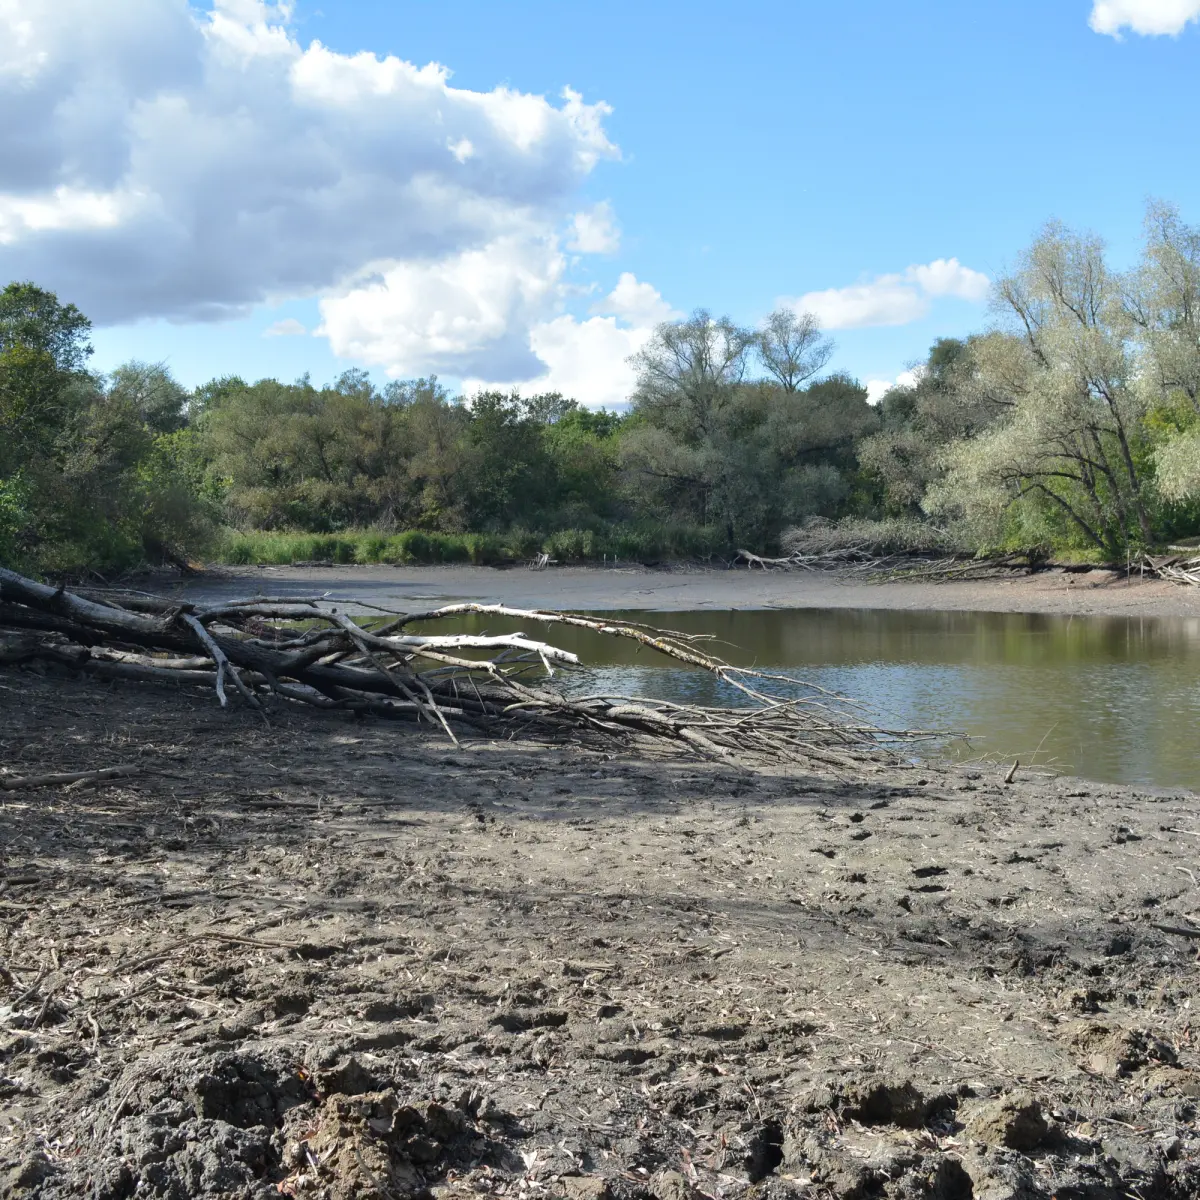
(90, 475)
(705, 444)
(1070, 441)
(33, 318)
(1162, 300)
(946, 401)
(684, 407)
(511, 475)
(153, 393)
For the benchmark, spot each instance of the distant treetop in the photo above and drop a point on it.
(33, 318)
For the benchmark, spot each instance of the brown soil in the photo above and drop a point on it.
(342, 959)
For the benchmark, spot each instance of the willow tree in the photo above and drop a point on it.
(1071, 446)
(1178, 467)
(792, 348)
(1163, 301)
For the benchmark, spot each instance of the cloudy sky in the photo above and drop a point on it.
(516, 193)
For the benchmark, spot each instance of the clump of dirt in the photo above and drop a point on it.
(334, 959)
(1014, 1120)
(890, 1102)
(1118, 1052)
(374, 1146)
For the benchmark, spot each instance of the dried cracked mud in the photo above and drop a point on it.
(338, 958)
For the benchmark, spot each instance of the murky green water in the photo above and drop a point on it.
(1108, 698)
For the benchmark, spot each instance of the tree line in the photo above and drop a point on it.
(1072, 424)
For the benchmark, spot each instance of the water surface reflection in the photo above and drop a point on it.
(1109, 698)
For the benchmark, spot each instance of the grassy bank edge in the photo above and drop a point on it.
(579, 546)
(415, 547)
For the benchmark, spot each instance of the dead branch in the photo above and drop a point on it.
(1177, 568)
(1178, 930)
(312, 653)
(13, 783)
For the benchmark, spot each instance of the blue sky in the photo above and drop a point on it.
(222, 176)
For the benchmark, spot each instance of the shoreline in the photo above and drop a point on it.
(1051, 592)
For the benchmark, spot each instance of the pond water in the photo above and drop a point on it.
(1108, 698)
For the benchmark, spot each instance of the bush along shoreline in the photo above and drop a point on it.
(1069, 429)
(416, 547)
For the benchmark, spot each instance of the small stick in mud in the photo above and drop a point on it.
(13, 783)
(1178, 930)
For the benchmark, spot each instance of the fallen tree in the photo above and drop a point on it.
(282, 651)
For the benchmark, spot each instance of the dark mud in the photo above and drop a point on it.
(339, 959)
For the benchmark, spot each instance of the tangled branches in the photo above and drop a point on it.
(880, 568)
(1176, 568)
(275, 652)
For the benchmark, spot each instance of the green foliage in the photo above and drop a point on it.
(14, 521)
(707, 447)
(148, 388)
(345, 457)
(1068, 455)
(512, 472)
(34, 405)
(1072, 431)
(625, 542)
(1075, 430)
(34, 319)
(413, 546)
(94, 473)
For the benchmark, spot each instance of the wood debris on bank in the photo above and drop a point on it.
(274, 652)
(1175, 567)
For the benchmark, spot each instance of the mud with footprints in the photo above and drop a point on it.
(338, 959)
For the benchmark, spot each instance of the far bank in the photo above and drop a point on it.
(1094, 593)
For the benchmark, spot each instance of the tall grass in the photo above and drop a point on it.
(417, 546)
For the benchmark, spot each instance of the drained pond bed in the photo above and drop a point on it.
(341, 957)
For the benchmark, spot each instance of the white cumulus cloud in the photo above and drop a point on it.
(637, 303)
(878, 388)
(1148, 17)
(948, 277)
(465, 314)
(288, 327)
(886, 300)
(896, 299)
(594, 231)
(587, 359)
(161, 161)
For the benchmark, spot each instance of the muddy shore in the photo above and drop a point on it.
(337, 958)
(595, 588)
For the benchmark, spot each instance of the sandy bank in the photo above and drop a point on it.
(591, 588)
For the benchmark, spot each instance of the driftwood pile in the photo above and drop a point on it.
(864, 559)
(272, 652)
(1177, 568)
(885, 568)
